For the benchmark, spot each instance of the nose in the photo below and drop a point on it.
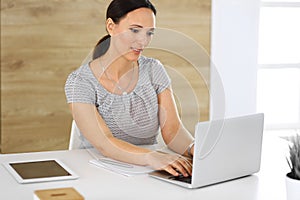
(143, 40)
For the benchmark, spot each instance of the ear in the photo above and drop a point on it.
(110, 25)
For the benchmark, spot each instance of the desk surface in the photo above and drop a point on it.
(97, 183)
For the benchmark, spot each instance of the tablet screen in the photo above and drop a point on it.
(39, 169)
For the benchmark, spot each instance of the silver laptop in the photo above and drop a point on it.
(224, 149)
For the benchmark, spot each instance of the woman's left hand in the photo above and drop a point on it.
(171, 163)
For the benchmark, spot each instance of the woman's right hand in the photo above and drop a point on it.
(171, 163)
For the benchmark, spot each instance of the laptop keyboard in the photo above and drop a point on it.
(182, 178)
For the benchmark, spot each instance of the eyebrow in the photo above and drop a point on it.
(137, 25)
(140, 26)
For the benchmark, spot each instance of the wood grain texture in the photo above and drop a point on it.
(43, 41)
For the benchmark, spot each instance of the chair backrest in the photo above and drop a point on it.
(75, 141)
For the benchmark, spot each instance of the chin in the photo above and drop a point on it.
(132, 56)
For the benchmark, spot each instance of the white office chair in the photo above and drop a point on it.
(75, 137)
(77, 140)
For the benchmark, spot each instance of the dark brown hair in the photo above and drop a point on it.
(116, 10)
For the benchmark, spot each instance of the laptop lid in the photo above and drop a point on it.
(224, 149)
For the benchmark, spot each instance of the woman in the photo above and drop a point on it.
(122, 99)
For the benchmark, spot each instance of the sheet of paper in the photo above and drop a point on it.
(133, 170)
(119, 167)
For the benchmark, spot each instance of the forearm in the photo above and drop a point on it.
(175, 135)
(179, 140)
(115, 148)
(124, 151)
(99, 135)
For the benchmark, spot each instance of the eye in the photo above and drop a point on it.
(150, 33)
(134, 30)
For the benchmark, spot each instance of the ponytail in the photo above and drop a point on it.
(101, 47)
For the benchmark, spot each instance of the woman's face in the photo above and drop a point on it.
(133, 33)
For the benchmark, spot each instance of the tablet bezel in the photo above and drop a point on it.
(19, 179)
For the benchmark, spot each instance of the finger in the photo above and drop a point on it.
(179, 167)
(186, 165)
(188, 162)
(171, 170)
(187, 169)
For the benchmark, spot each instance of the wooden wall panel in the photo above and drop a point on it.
(43, 41)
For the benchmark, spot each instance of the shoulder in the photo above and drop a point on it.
(156, 72)
(79, 87)
(153, 62)
(151, 65)
(81, 75)
(81, 79)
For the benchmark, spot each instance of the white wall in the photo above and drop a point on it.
(234, 46)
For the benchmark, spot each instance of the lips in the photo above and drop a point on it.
(136, 50)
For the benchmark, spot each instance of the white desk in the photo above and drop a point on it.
(97, 183)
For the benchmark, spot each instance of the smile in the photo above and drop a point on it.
(136, 50)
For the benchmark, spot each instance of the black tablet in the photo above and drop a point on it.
(32, 171)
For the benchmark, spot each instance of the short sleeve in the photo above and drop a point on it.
(160, 78)
(79, 90)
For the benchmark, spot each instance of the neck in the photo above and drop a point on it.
(116, 66)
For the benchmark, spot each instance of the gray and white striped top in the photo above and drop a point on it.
(132, 117)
